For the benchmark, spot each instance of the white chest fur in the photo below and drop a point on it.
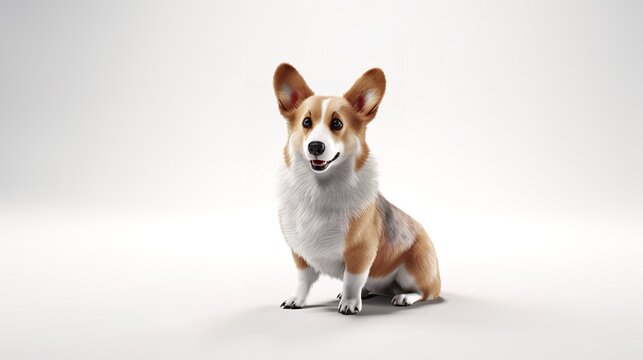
(315, 209)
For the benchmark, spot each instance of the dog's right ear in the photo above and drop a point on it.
(290, 88)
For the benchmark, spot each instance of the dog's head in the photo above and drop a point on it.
(324, 131)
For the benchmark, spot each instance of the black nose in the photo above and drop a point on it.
(316, 148)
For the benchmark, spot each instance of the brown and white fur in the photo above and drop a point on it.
(331, 212)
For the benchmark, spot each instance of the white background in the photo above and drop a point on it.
(140, 144)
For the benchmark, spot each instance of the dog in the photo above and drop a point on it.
(331, 212)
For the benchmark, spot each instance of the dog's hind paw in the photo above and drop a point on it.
(405, 299)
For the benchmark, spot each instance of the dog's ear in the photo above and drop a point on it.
(366, 93)
(290, 88)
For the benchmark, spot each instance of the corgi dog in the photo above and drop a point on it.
(331, 212)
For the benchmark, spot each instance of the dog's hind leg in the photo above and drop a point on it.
(419, 277)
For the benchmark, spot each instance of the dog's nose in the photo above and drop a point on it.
(316, 148)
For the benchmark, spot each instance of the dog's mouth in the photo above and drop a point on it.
(321, 165)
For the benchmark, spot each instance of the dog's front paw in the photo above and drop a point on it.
(349, 306)
(293, 303)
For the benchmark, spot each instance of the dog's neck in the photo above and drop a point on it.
(341, 186)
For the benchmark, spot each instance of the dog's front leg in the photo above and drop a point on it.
(351, 301)
(306, 277)
(358, 260)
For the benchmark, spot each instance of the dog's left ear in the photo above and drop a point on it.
(366, 93)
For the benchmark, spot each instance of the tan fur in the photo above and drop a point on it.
(388, 259)
(422, 263)
(367, 248)
(300, 263)
(286, 156)
(362, 238)
(363, 155)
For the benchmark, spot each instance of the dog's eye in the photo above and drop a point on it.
(307, 123)
(336, 124)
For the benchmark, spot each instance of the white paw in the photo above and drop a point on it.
(349, 306)
(293, 303)
(405, 299)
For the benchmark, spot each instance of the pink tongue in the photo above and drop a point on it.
(318, 162)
